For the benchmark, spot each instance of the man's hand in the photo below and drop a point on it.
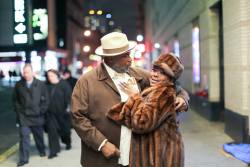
(109, 150)
(180, 104)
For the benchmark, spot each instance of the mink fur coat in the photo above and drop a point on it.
(156, 140)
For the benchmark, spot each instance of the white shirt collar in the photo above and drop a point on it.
(110, 71)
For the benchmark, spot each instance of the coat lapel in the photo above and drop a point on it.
(103, 75)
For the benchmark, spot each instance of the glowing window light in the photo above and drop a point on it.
(139, 38)
(177, 48)
(111, 23)
(157, 45)
(196, 55)
(140, 47)
(91, 12)
(50, 60)
(87, 33)
(79, 64)
(108, 16)
(35, 61)
(86, 48)
(99, 12)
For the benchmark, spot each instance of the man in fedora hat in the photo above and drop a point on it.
(105, 143)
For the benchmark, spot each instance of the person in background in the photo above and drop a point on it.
(152, 118)
(68, 77)
(1, 74)
(30, 99)
(105, 143)
(57, 118)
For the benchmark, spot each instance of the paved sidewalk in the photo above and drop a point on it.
(8, 131)
(203, 144)
(66, 158)
(203, 141)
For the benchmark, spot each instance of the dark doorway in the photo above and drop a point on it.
(217, 10)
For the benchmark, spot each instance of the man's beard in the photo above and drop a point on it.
(120, 69)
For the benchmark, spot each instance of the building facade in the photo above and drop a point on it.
(46, 34)
(212, 38)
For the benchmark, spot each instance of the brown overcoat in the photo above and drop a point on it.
(156, 141)
(94, 94)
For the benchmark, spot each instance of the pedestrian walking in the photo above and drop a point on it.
(30, 100)
(58, 122)
(69, 78)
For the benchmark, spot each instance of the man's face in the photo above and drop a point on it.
(27, 73)
(120, 63)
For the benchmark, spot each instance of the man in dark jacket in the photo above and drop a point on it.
(30, 103)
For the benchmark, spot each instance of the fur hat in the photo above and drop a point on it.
(170, 64)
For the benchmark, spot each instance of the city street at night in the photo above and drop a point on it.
(123, 83)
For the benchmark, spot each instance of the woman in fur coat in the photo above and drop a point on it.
(156, 140)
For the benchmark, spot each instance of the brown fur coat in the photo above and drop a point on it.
(156, 141)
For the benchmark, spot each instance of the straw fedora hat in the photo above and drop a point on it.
(114, 43)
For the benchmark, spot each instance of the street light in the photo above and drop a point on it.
(99, 12)
(139, 38)
(157, 45)
(86, 48)
(87, 33)
(108, 16)
(91, 12)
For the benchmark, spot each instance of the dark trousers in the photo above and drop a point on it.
(57, 127)
(24, 146)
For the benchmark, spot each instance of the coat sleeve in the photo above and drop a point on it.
(88, 133)
(183, 94)
(144, 114)
(157, 108)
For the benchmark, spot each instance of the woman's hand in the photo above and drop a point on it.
(130, 87)
(180, 104)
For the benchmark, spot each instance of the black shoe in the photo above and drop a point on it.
(42, 154)
(68, 147)
(21, 163)
(52, 156)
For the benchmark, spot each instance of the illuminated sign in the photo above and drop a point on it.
(177, 47)
(40, 24)
(20, 23)
(196, 55)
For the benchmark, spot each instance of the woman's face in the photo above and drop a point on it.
(157, 76)
(52, 77)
